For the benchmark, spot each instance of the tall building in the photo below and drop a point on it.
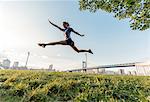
(6, 63)
(50, 67)
(15, 65)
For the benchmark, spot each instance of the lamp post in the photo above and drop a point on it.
(27, 59)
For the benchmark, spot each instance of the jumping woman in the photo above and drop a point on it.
(68, 41)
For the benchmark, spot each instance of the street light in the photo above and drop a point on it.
(27, 59)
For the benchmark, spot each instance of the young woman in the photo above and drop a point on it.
(68, 41)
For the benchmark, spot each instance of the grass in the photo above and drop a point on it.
(35, 86)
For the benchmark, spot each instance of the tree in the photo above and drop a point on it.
(138, 11)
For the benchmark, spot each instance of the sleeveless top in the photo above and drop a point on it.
(67, 33)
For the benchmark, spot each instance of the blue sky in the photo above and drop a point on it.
(25, 23)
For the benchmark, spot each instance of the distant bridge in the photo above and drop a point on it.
(105, 66)
(142, 68)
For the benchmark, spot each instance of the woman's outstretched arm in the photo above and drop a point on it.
(77, 33)
(56, 25)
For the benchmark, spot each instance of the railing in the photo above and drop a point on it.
(105, 66)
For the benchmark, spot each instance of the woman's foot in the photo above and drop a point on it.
(90, 51)
(42, 45)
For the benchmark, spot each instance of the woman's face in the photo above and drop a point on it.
(65, 25)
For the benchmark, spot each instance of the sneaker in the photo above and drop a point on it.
(90, 51)
(42, 45)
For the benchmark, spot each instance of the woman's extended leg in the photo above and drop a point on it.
(63, 42)
(77, 50)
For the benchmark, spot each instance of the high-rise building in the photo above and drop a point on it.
(15, 65)
(6, 63)
(50, 67)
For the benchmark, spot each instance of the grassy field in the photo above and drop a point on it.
(34, 86)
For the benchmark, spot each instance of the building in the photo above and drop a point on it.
(6, 63)
(15, 65)
(50, 67)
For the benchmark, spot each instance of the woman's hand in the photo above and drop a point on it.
(82, 35)
(49, 21)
